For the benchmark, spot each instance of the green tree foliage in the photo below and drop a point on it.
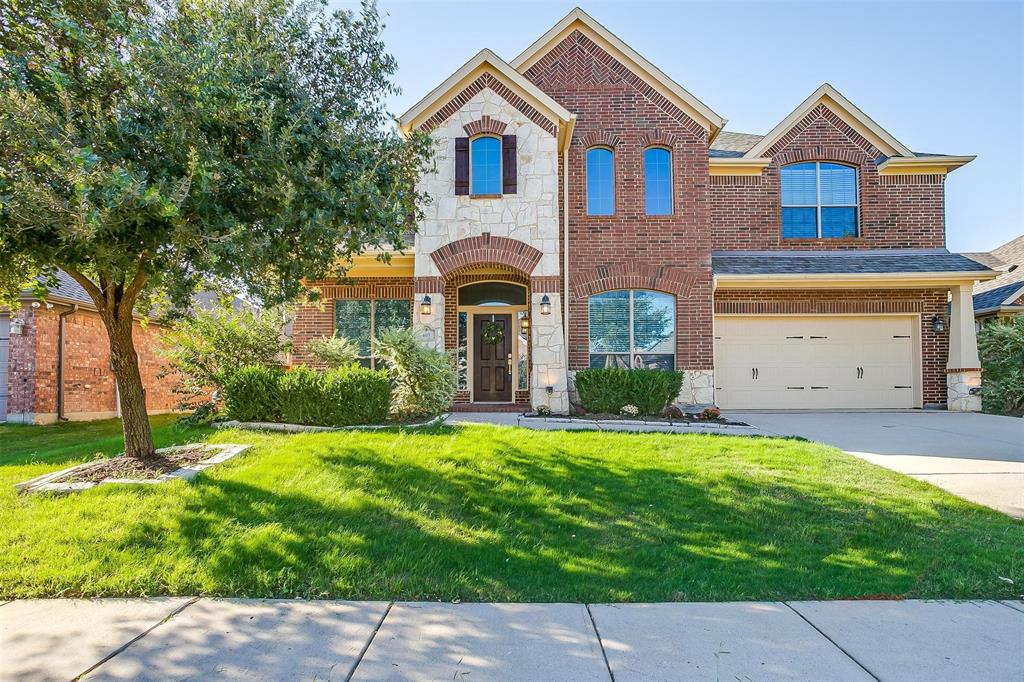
(1001, 346)
(333, 351)
(150, 146)
(423, 380)
(207, 349)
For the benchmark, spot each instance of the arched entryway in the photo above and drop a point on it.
(487, 323)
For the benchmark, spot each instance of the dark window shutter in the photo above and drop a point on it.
(508, 164)
(462, 165)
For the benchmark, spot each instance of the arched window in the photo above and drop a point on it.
(658, 180)
(819, 200)
(600, 181)
(632, 328)
(485, 165)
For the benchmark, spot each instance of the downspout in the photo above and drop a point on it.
(565, 236)
(60, 360)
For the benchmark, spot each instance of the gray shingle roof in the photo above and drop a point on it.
(995, 298)
(841, 262)
(733, 144)
(66, 288)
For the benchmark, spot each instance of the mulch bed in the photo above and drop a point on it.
(685, 419)
(138, 469)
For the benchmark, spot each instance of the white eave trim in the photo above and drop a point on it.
(947, 163)
(482, 60)
(882, 138)
(851, 280)
(631, 58)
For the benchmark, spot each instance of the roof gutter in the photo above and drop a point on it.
(60, 359)
(860, 280)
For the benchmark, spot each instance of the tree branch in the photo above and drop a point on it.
(94, 291)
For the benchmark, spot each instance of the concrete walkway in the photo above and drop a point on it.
(979, 457)
(202, 639)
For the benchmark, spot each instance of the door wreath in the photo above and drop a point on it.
(492, 333)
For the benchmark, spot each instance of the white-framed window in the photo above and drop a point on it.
(632, 328)
(658, 181)
(819, 200)
(600, 181)
(360, 319)
(485, 165)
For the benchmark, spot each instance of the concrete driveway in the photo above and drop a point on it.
(979, 457)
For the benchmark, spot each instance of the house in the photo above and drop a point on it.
(588, 211)
(1003, 296)
(55, 360)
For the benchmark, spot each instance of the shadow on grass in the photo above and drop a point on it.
(537, 522)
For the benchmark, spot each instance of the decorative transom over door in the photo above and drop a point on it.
(492, 358)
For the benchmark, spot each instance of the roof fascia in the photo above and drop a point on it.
(484, 61)
(847, 111)
(655, 77)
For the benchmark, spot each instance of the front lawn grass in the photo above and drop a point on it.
(482, 513)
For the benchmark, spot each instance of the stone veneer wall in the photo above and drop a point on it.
(530, 216)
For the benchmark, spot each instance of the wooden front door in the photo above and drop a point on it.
(492, 358)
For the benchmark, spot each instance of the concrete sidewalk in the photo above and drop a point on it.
(199, 639)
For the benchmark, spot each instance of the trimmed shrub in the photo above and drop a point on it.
(333, 351)
(607, 390)
(355, 395)
(302, 391)
(423, 380)
(345, 396)
(1001, 347)
(253, 394)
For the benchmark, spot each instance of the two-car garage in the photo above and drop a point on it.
(817, 361)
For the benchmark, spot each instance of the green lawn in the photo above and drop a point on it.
(489, 513)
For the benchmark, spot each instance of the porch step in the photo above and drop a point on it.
(488, 407)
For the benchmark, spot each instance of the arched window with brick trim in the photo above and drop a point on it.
(600, 181)
(819, 200)
(485, 165)
(658, 180)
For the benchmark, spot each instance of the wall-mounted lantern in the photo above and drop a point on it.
(545, 305)
(524, 324)
(938, 324)
(425, 305)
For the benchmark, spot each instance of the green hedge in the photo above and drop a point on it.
(253, 394)
(606, 390)
(345, 396)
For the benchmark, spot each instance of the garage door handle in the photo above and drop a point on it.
(754, 371)
(860, 372)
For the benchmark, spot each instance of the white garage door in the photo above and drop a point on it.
(816, 362)
(5, 340)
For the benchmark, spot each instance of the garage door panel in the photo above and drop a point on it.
(815, 362)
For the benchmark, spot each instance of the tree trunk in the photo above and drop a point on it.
(138, 438)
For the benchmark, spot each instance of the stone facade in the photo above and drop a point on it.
(962, 387)
(89, 387)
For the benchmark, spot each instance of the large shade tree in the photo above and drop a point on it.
(150, 147)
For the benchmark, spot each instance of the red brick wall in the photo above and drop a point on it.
(926, 302)
(89, 385)
(613, 105)
(314, 320)
(895, 211)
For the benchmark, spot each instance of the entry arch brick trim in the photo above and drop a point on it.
(668, 278)
(486, 250)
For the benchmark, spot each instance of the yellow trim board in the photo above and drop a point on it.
(845, 109)
(484, 61)
(871, 280)
(923, 165)
(577, 19)
(401, 265)
(737, 165)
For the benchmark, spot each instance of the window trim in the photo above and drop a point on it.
(373, 322)
(671, 180)
(818, 206)
(501, 167)
(586, 181)
(632, 352)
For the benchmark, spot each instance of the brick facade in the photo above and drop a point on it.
(89, 386)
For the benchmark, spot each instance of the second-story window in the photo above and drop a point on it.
(485, 165)
(658, 181)
(819, 200)
(600, 181)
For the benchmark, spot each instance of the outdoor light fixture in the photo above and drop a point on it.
(545, 305)
(524, 324)
(937, 324)
(425, 305)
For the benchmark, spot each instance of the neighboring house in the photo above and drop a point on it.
(1003, 296)
(578, 189)
(55, 361)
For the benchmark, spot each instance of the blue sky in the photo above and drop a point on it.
(941, 77)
